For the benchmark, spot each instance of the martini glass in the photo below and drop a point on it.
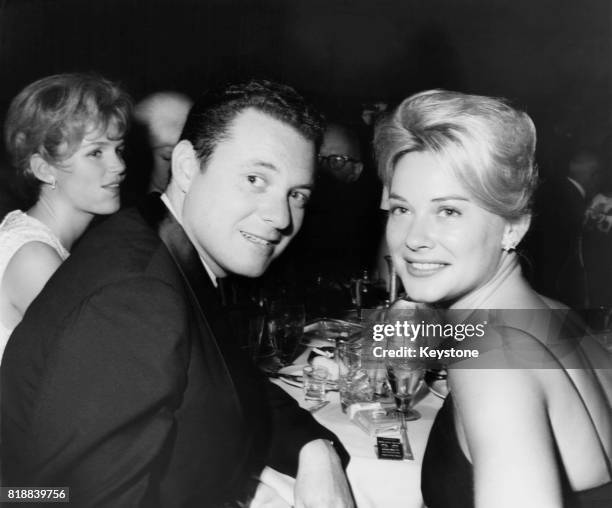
(405, 376)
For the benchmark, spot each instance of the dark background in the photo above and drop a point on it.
(552, 57)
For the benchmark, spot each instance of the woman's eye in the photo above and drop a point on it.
(449, 212)
(120, 150)
(95, 153)
(398, 210)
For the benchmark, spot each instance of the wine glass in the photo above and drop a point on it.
(405, 376)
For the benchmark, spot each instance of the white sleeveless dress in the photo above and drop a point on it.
(16, 230)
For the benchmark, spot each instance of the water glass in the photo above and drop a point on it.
(378, 380)
(315, 380)
(348, 357)
(286, 328)
(355, 387)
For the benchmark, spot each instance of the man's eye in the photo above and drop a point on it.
(300, 197)
(256, 180)
(120, 150)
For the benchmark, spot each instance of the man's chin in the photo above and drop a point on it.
(249, 270)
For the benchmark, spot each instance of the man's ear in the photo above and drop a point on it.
(185, 165)
(42, 170)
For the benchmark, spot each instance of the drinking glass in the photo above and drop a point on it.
(405, 377)
(285, 328)
(348, 356)
(315, 380)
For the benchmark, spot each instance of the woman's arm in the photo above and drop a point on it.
(27, 273)
(503, 415)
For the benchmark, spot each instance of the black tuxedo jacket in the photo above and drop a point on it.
(121, 383)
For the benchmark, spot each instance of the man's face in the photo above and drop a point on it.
(244, 207)
(340, 155)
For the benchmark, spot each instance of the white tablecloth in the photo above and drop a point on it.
(377, 483)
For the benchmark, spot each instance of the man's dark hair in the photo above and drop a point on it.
(210, 118)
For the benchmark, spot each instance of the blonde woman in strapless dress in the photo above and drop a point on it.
(460, 170)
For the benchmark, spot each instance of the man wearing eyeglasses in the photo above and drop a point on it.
(340, 154)
(334, 243)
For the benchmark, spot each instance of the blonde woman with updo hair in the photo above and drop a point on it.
(461, 174)
(64, 134)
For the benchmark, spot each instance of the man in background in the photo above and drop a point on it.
(554, 241)
(158, 121)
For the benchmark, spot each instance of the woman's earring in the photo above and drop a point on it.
(52, 184)
(508, 243)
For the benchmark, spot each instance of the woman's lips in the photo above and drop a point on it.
(424, 268)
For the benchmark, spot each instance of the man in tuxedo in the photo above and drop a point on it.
(122, 381)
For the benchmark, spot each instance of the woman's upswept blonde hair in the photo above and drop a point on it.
(488, 145)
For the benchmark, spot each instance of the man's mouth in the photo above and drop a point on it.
(258, 239)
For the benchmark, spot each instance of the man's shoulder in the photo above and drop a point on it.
(122, 236)
(122, 246)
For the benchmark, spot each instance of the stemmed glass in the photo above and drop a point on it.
(405, 376)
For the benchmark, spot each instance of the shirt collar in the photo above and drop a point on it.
(169, 206)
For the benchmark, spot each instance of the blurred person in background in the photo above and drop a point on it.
(554, 242)
(338, 239)
(64, 134)
(157, 126)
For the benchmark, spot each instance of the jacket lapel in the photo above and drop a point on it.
(199, 286)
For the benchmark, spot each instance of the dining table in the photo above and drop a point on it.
(376, 483)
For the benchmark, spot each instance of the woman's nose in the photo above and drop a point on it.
(117, 164)
(419, 234)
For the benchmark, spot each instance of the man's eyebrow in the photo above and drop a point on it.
(263, 164)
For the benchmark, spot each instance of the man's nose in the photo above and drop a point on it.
(277, 213)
